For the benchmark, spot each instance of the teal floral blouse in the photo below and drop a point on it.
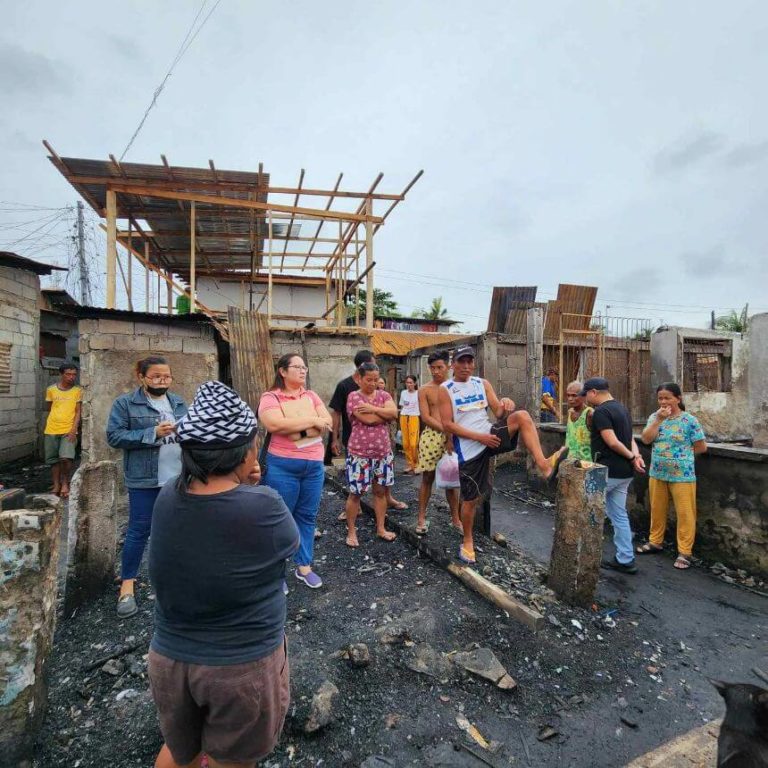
(672, 458)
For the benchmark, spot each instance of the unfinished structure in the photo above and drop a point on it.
(232, 238)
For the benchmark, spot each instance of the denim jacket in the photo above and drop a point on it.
(131, 427)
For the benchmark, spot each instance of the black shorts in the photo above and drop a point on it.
(475, 474)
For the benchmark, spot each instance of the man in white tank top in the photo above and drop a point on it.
(463, 403)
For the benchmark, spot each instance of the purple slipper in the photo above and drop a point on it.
(311, 579)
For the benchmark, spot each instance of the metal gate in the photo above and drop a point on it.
(617, 348)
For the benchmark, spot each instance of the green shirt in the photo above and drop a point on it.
(577, 437)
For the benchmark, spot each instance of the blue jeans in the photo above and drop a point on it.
(141, 502)
(300, 483)
(616, 509)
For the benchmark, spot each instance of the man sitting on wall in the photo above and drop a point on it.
(63, 403)
(464, 402)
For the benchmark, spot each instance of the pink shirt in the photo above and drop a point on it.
(282, 445)
(368, 441)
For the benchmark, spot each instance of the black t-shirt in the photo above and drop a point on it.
(217, 565)
(612, 415)
(339, 404)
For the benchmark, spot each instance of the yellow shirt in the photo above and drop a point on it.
(63, 405)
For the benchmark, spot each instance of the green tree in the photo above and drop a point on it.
(384, 304)
(733, 321)
(436, 311)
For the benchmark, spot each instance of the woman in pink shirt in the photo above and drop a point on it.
(296, 420)
(370, 464)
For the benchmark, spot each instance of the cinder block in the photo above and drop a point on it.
(115, 326)
(132, 342)
(151, 329)
(185, 331)
(203, 346)
(102, 341)
(83, 345)
(87, 325)
(165, 344)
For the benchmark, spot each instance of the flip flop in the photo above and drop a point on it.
(649, 549)
(353, 546)
(467, 556)
(682, 563)
(421, 530)
(400, 506)
(556, 466)
(387, 538)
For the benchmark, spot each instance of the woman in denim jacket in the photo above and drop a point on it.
(143, 424)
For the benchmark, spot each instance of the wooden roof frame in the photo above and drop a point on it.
(206, 215)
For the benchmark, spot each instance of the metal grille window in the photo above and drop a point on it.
(5, 368)
(707, 365)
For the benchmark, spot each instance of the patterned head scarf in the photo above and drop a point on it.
(217, 418)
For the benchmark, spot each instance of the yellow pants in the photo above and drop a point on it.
(409, 427)
(684, 498)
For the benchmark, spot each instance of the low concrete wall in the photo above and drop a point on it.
(732, 501)
(329, 356)
(109, 349)
(19, 327)
(29, 552)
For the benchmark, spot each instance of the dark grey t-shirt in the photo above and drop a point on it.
(217, 565)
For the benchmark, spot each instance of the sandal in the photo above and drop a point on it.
(399, 505)
(467, 556)
(649, 549)
(682, 563)
(561, 457)
(350, 543)
(421, 530)
(388, 536)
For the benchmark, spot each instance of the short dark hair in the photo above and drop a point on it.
(674, 388)
(364, 356)
(283, 363)
(142, 366)
(201, 463)
(367, 367)
(68, 367)
(435, 356)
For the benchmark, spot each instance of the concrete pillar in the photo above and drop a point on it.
(534, 369)
(577, 547)
(29, 553)
(92, 532)
(757, 373)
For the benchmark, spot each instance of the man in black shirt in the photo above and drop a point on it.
(342, 429)
(614, 447)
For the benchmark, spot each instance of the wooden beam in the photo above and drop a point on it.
(233, 202)
(111, 248)
(369, 268)
(192, 251)
(269, 283)
(125, 282)
(146, 273)
(234, 186)
(237, 236)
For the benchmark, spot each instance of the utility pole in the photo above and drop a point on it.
(85, 288)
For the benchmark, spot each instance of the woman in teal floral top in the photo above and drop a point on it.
(676, 437)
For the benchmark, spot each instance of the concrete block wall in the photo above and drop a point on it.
(20, 327)
(109, 350)
(329, 356)
(29, 551)
(513, 380)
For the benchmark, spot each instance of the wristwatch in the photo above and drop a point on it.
(303, 433)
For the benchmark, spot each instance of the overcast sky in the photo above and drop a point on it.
(623, 145)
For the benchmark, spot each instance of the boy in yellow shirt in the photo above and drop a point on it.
(62, 401)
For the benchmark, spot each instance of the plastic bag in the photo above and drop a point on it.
(447, 471)
(399, 438)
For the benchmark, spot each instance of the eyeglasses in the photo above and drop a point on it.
(158, 379)
(302, 368)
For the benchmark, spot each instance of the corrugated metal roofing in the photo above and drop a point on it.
(399, 343)
(8, 259)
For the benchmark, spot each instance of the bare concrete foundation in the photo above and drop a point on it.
(29, 553)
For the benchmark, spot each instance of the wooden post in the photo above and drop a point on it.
(535, 361)
(192, 254)
(111, 248)
(130, 268)
(368, 259)
(146, 277)
(169, 289)
(269, 278)
(577, 547)
(159, 283)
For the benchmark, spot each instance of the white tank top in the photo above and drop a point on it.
(469, 409)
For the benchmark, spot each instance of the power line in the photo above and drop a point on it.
(183, 48)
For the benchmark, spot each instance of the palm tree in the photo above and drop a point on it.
(734, 322)
(436, 311)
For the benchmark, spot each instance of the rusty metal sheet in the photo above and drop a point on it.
(253, 370)
(578, 302)
(505, 299)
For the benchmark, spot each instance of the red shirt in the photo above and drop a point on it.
(368, 441)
